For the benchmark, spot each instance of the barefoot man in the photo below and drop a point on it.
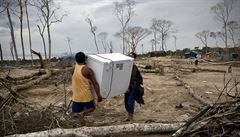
(82, 77)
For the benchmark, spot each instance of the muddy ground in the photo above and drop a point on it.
(42, 106)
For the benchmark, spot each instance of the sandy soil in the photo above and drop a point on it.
(166, 100)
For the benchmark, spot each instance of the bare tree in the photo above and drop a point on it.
(134, 35)
(48, 14)
(11, 49)
(165, 40)
(110, 47)
(203, 36)
(222, 11)
(3, 6)
(20, 14)
(164, 27)
(124, 13)
(68, 39)
(7, 6)
(232, 27)
(29, 30)
(221, 35)
(142, 48)
(214, 36)
(152, 41)
(175, 42)
(41, 32)
(1, 55)
(12, 31)
(102, 36)
(2, 9)
(93, 30)
(154, 29)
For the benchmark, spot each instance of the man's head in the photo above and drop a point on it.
(132, 54)
(80, 57)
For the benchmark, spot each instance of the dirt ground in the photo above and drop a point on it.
(42, 106)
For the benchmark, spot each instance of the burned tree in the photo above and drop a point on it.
(124, 13)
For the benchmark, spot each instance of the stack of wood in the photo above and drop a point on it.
(220, 120)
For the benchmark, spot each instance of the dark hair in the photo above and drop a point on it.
(133, 54)
(80, 57)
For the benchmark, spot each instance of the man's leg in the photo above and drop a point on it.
(77, 111)
(88, 111)
(131, 103)
(126, 98)
(89, 107)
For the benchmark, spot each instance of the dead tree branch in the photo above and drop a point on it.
(40, 57)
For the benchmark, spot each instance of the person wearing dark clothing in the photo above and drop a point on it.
(133, 90)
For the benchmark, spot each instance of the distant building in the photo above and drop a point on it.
(224, 54)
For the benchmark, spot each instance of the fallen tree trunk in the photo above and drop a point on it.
(209, 70)
(106, 130)
(192, 93)
(31, 83)
(13, 90)
(225, 63)
(25, 77)
(183, 69)
(194, 69)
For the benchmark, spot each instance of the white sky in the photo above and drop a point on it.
(188, 16)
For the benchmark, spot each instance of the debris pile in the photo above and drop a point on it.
(220, 119)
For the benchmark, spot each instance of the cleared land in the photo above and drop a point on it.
(41, 106)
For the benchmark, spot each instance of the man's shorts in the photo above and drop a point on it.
(80, 106)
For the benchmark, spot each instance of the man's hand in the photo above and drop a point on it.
(100, 99)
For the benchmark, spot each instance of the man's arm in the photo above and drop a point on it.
(87, 72)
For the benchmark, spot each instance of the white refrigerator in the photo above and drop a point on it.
(112, 72)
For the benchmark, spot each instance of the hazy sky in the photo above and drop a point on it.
(188, 16)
